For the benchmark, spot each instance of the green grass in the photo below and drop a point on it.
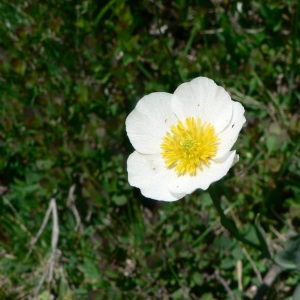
(70, 72)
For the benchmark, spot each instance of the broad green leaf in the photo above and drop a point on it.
(289, 257)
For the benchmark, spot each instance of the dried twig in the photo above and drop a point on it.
(267, 282)
(72, 206)
(239, 271)
(48, 274)
(255, 269)
(54, 239)
(41, 230)
(225, 284)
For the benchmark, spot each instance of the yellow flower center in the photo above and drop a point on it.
(189, 146)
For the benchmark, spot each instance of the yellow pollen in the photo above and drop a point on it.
(189, 146)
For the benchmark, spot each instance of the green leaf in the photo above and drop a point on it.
(44, 296)
(261, 235)
(289, 257)
(296, 295)
(197, 278)
(90, 270)
(119, 199)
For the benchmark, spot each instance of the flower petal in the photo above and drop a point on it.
(203, 98)
(215, 171)
(147, 124)
(148, 173)
(230, 134)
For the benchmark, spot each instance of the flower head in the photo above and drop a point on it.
(183, 140)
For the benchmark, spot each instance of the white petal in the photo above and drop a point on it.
(230, 134)
(204, 99)
(216, 170)
(148, 172)
(148, 123)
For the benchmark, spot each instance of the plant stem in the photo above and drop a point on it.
(228, 223)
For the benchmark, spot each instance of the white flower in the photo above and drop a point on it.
(182, 140)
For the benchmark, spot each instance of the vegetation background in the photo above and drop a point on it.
(70, 72)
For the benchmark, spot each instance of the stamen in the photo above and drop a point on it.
(189, 146)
